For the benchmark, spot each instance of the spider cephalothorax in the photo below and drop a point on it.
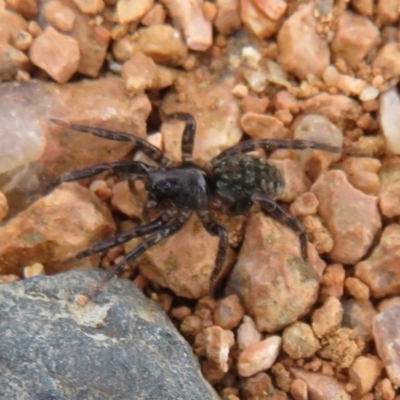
(233, 180)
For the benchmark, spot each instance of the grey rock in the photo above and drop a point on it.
(120, 345)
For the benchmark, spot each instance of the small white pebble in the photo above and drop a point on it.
(247, 333)
(390, 119)
(369, 93)
(33, 270)
(240, 91)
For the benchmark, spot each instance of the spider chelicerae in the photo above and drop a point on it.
(233, 181)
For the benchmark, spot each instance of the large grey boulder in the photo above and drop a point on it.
(120, 345)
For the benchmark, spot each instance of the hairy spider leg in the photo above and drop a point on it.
(127, 167)
(147, 148)
(124, 237)
(272, 208)
(274, 144)
(150, 241)
(188, 134)
(216, 230)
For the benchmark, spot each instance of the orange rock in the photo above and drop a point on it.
(382, 263)
(302, 50)
(59, 15)
(155, 16)
(351, 216)
(11, 61)
(189, 17)
(29, 9)
(327, 318)
(90, 6)
(259, 356)
(299, 341)
(228, 19)
(261, 126)
(132, 10)
(273, 281)
(229, 312)
(56, 227)
(55, 53)
(388, 59)
(218, 343)
(355, 37)
(3, 206)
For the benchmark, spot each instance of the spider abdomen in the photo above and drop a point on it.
(239, 176)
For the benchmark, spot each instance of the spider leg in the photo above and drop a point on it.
(151, 151)
(124, 237)
(274, 144)
(272, 208)
(150, 241)
(127, 167)
(216, 230)
(188, 134)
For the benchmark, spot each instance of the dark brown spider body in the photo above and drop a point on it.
(232, 179)
(238, 177)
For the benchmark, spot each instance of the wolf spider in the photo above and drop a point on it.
(232, 180)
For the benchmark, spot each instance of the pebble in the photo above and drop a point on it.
(247, 333)
(298, 390)
(68, 220)
(369, 93)
(163, 43)
(388, 11)
(141, 73)
(389, 119)
(132, 10)
(320, 386)
(351, 216)
(90, 7)
(218, 343)
(125, 201)
(217, 114)
(261, 126)
(358, 315)
(60, 15)
(358, 289)
(302, 50)
(333, 281)
(336, 107)
(386, 331)
(29, 9)
(389, 200)
(364, 373)
(55, 53)
(305, 204)
(274, 283)
(155, 16)
(229, 312)
(33, 270)
(317, 128)
(362, 173)
(256, 20)
(12, 23)
(228, 18)
(388, 59)
(11, 61)
(299, 341)
(327, 318)
(189, 17)
(259, 356)
(379, 271)
(355, 37)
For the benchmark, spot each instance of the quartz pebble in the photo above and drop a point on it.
(351, 216)
(386, 331)
(259, 356)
